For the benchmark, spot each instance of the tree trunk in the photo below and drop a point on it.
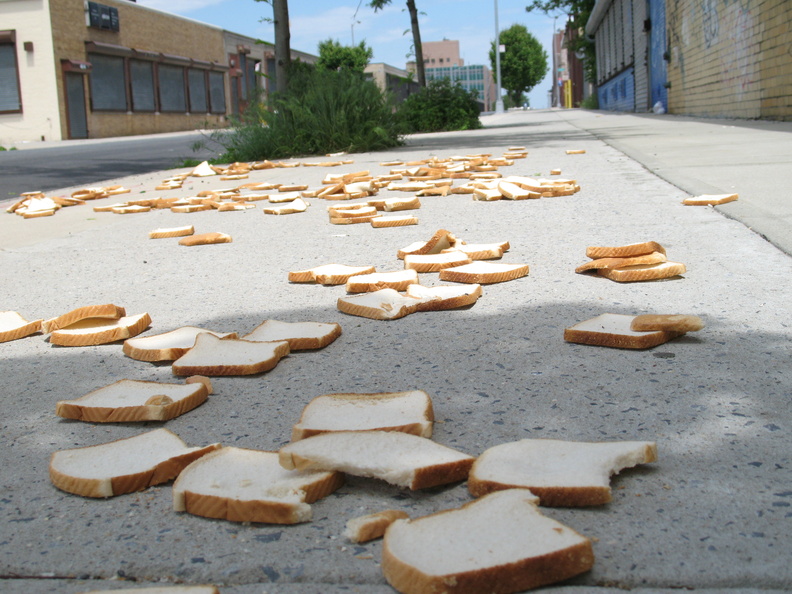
(416, 31)
(280, 17)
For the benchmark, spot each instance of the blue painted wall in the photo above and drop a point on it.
(618, 94)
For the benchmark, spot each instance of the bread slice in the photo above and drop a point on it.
(215, 356)
(710, 199)
(512, 191)
(385, 304)
(398, 458)
(329, 274)
(668, 322)
(128, 401)
(444, 296)
(301, 336)
(293, 207)
(438, 242)
(168, 346)
(395, 204)
(436, 262)
(200, 589)
(123, 466)
(366, 283)
(394, 221)
(242, 485)
(600, 263)
(172, 232)
(484, 273)
(107, 311)
(560, 473)
(371, 526)
(498, 543)
(409, 412)
(624, 251)
(13, 326)
(206, 239)
(643, 272)
(480, 251)
(613, 330)
(93, 331)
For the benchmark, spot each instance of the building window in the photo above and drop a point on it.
(108, 83)
(171, 88)
(142, 77)
(10, 100)
(196, 83)
(217, 102)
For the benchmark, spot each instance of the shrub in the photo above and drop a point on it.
(438, 107)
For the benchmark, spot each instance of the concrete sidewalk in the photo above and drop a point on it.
(713, 514)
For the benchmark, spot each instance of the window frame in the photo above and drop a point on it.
(8, 38)
(124, 83)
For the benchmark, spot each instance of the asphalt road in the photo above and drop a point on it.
(72, 163)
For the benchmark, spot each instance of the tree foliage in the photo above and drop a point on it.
(334, 56)
(416, 32)
(440, 106)
(523, 65)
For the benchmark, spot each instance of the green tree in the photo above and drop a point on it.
(416, 32)
(334, 56)
(578, 13)
(523, 65)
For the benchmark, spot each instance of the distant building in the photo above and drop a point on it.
(439, 54)
(569, 85)
(390, 79)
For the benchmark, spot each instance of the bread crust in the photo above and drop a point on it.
(599, 263)
(205, 239)
(667, 322)
(644, 272)
(618, 341)
(21, 327)
(624, 251)
(107, 310)
(115, 330)
(500, 273)
(371, 526)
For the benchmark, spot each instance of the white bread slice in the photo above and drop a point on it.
(172, 232)
(206, 239)
(128, 401)
(371, 526)
(293, 207)
(203, 170)
(487, 194)
(498, 543)
(440, 241)
(512, 191)
(560, 473)
(301, 336)
(398, 458)
(107, 310)
(354, 220)
(284, 196)
(480, 251)
(413, 248)
(710, 199)
(13, 326)
(409, 412)
(168, 346)
(242, 485)
(200, 589)
(668, 322)
(93, 331)
(395, 204)
(484, 273)
(329, 274)
(624, 251)
(613, 330)
(395, 221)
(436, 262)
(643, 272)
(444, 296)
(385, 304)
(600, 263)
(366, 283)
(359, 210)
(215, 356)
(123, 466)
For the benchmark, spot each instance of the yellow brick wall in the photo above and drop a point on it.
(730, 58)
(142, 29)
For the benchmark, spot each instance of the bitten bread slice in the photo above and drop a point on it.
(398, 458)
(668, 322)
(168, 346)
(107, 311)
(560, 473)
(301, 336)
(484, 273)
(13, 326)
(624, 251)
(643, 272)
(123, 466)
(129, 401)
(244, 485)
(215, 356)
(409, 412)
(498, 543)
(371, 526)
(398, 281)
(93, 331)
(329, 274)
(613, 330)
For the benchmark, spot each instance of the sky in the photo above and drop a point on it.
(387, 32)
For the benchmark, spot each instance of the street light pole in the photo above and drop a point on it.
(499, 102)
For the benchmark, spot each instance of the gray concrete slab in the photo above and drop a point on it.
(712, 514)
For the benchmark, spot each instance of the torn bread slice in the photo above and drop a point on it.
(710, 199)
(206, 239)
(329, 274)
(394, 221)
(435, 262)
(215, 356)
(128, 401)
(301, 336)
(242, 485)
(668, 322)
(409, 412)
(624, 251)
(444, 296)
(106, 311)
(168, 346)
(398, 458)
(600, 263)
(93, 331)
(613, 330)
(643, 272)
(398, 280)
(14, 326)
(123, 466)
(172, 232)
(560, 473)
(385, 304)
(371, 526)
(498, 543)
(484, 273)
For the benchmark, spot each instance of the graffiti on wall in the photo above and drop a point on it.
(739, 56)
(710, 23)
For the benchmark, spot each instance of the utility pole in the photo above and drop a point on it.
(499, 101)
